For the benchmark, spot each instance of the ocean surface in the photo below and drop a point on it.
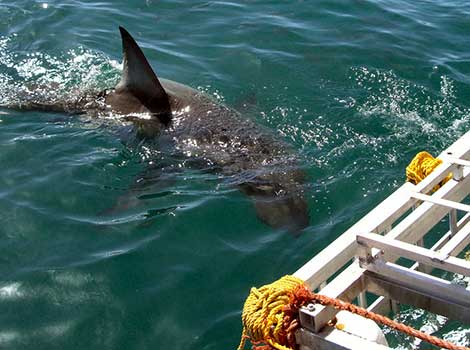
(356, 87)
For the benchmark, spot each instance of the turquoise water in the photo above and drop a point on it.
(357, 87)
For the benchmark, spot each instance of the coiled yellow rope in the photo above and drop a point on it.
(264, 313)
(421, 166)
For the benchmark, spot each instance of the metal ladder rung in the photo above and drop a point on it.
(413, 252)
(455, 160)
(440, 201)
(458, 242)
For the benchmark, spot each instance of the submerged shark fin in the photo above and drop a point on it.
(140, 80)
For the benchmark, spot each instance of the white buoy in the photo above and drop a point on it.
(361, 327)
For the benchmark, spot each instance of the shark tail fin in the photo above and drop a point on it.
(139, 79)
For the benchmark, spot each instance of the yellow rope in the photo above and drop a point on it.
(421, 166)
(264, 312)
(270, 316)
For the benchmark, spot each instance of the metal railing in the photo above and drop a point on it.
(366, 254)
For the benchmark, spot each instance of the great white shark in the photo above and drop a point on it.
(199, 127)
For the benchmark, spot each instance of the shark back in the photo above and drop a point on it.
(139, 89)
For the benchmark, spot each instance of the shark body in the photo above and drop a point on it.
(200, 127)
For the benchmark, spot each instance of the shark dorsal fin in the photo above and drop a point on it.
(140, 80)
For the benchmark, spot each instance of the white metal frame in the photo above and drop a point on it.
(367, 253)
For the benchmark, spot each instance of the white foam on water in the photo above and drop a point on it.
(11, 291)
(408, 109)
(43, 76)
(7, 336)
